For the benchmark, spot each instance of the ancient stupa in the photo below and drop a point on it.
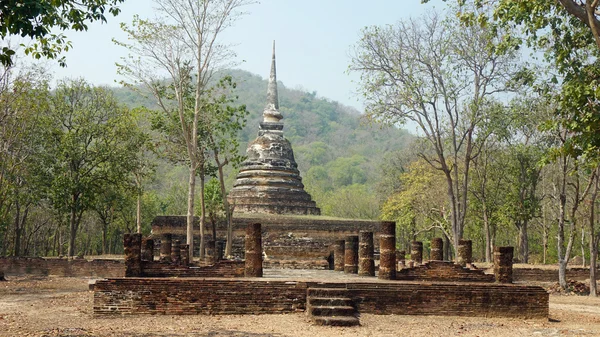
(269, 180)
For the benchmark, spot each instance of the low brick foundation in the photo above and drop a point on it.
(62, 267)
(219, 269)
(123, 296)
(549, 275)
(443, 271)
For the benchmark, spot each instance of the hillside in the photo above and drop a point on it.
(338, 155)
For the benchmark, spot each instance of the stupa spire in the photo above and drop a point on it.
(271, 113)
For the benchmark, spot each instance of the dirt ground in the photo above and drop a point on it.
(53, 306)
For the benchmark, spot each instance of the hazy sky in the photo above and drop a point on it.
(313, 40)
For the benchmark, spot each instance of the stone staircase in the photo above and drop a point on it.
(331, 306)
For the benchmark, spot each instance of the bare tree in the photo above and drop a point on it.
(440, 76)
(175, 57)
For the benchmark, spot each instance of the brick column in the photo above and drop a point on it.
(253, 244)
(184, 253)
(437, 250)
(165, 247)
(387, 251)
(211, 253)
(401, 258)
(147, 249)
(416, 252)
(176, 252)
(465, 252)
(503, 257)
(338, 255)
(366, 262)
(132, 244)
(351, 255)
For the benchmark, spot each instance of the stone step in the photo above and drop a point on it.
(336, 311)
(327, 292)
(336, 321)
(329, 301)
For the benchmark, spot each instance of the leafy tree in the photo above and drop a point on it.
(567, 32)
(441, 77)
(90, 143)
(23, 97)
(183, 46)
(36, 19)
(419, 205)
(225, 122)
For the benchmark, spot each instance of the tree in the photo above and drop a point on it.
(90, 142)
(35, 19)
(440, 76)
(225, 123)
(23, 98)
(567, 31)
(182, 47)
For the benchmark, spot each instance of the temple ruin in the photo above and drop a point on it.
(269, 180)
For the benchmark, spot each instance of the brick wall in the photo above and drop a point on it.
(284, 237)
(549, 275)
(220, 269)
(446, 299)
(196, 296)
(62, 267)
(219, 296)
(443, 271)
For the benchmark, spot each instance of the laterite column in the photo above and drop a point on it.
(503, 257)
(351, 255)
(147, 249)
(437, 250)
(401, 258)
(165, 247)
(253, 244)
(220, 250)
(211, 254)
(465, 252)
(184, 254)
(387, 251)
(132, 244)
(176, 252)
(416, 252)
(366, 262)
(338, 255)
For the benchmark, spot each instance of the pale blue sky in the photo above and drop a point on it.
(313, 39)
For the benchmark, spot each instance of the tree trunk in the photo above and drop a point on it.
(104, 230)
(545, 244)
(562, 273)
(138, 214)
(593, 240)
(488, 235)
(72, 228)
(229, 243)
(203, 213)
(523, 242)
(190, 211)
(17, 245)
(582, 246)
(593, 262)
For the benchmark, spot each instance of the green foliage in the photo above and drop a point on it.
(91, 143)
(36, 19)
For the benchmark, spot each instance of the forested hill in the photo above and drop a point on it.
(337, 152)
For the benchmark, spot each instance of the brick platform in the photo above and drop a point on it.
(124, 296)
(443, 271)
(219, 269)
